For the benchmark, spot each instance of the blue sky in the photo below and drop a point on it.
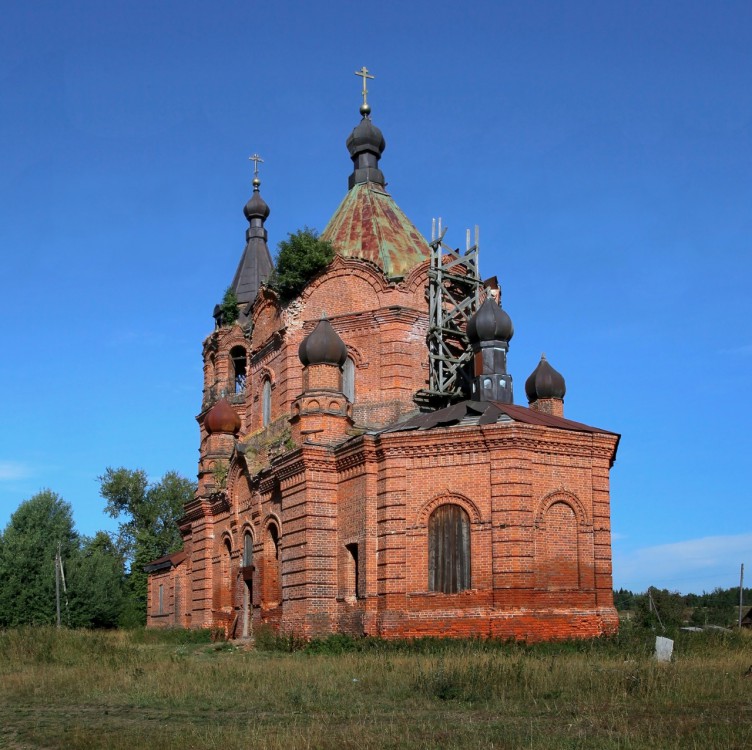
(603, 148)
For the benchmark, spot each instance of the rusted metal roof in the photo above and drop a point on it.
(369, 224)
(166, 561)
(489, 412)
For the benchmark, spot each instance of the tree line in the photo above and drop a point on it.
(669, 609)
(105, 584)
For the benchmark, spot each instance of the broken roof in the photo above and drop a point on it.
(171, 560)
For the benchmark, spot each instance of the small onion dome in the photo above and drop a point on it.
(489, 323)
(366, 137)
(222, 418)
(256, 208)
(322, 346)
(545, 382)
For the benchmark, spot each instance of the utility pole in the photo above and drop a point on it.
(741, 595)
(57, 583)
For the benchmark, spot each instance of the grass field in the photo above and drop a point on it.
(129, 690)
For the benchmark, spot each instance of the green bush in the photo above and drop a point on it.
(299, 259)
(229, 308)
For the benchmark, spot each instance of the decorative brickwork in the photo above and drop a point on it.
(334, 507)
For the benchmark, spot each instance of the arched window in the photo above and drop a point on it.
(448, 549)
(348, 380)
(238, 357)
(352, 577)
(227, 574)
(247, 571)
(272, 583)
(266, 402)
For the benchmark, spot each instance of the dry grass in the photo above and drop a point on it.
(119, 691)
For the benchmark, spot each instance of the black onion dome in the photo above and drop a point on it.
(489, 323)
(545, 382)
(256, 208)
(322, 346)
(366, 137)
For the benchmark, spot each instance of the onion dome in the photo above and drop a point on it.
(256, 207)
(222, 418)
(489, 323)
(322, 346)
(545, 382)
(366, 137)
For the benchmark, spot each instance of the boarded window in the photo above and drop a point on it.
(348, 380)
(449, 550)
(266, 403)
(161, 599)
(227, 574)
(247, 550)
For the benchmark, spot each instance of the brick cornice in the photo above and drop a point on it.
(505, 436)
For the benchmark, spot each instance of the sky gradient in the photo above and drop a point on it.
(604, 149)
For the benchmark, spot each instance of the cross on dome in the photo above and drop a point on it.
(365, 108)
(255, 158)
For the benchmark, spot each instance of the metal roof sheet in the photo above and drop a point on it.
(171, 560)
(369, 224)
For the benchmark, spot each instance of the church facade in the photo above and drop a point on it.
(329, 502)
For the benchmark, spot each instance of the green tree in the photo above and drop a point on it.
(27, 558)
(659, 609)
(717, 608)
(624, 600)
(96, 583)
(299, 258)
(149, 527)
(230, 307)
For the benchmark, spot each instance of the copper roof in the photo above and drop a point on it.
(369, 224)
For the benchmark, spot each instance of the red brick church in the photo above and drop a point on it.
(340, 489)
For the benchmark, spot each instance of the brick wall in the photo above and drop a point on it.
(536, 498)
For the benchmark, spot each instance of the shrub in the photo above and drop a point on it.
(229, 310)
(299, 259)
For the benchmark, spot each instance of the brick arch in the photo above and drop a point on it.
(449, 499)
(271, 518)
(417, 277)
(341, 266)
(235, 485)
(561, 496)
(265, 299)
(356, 355)
(266, 373)
(347, 286)
(271, 567)
(230, 338)
(224, 538)
(267, 317)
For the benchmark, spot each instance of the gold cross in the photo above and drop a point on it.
(255, 159)
(363, 73)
